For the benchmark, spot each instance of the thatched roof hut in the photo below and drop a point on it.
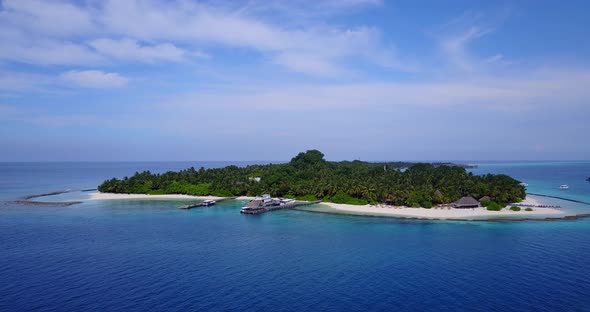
(254, 204)
(390, 199)
(485, 198)
(466, 202)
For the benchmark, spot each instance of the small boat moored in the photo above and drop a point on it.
(564, 187)
(524, 184)
(286, 201)
(209, 202)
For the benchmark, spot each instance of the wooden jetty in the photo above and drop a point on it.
(534, 206)
(291, 205)
(203, 203)
(190, 206)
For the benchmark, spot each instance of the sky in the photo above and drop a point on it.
(165, 80)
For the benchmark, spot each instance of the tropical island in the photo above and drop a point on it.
(308, 176)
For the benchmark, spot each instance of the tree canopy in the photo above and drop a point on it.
(309, 175)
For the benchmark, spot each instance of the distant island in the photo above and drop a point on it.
(308, 176)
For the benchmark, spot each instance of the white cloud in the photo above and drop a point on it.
(494, 59)
(350, 3)
(457, 40)
(309, 63)
(94, 79)
(40, 32)
(11, 81)
(20, 46)
(131, 50)
(530, 91)
(303, 11)
(48, 52)
(47, 17)
(455, 47)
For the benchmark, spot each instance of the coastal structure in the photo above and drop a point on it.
(485, 199)
(265, 203)
(259, 203)
(265, 199)
(466, 202)
(253, 207)
(205, 203)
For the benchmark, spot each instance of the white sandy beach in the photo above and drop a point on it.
(530, 201)
(445, 213)
(107, 196)
(394, 211)
(244, 198)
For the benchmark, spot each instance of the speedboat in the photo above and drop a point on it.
(524, 184)
(209, 202)
(563, 187)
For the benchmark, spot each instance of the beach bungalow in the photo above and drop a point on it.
(485, 199)
(438, 194)
(390, 199)
(466, 202)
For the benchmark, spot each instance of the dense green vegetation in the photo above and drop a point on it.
(309, 176)
(493, 206)
(528, 209)
(343, 198)
(515, 208)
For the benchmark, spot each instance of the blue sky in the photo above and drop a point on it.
(263, 80)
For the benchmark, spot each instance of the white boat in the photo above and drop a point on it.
(209, 202)
(524, 184)
(563, 187)
(265, 199)
(286, 201)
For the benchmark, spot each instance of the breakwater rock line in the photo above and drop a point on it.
(28, 200)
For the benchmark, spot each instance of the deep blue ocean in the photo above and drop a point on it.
(139, 255)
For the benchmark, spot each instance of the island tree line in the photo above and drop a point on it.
(308, 176)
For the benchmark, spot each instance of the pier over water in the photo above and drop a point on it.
(290, 205)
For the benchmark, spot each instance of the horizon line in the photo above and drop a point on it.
(285, 161)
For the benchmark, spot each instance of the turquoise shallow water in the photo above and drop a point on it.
(143, 255)
(546, 177)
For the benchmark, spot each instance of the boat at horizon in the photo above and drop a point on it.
(564, 187)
